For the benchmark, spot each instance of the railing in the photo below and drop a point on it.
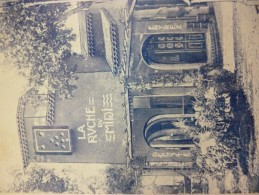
(115, 48)
(90, 34)
(50, 115)
(215, 42)
(22, 132)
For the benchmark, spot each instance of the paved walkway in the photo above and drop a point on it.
(224, 16)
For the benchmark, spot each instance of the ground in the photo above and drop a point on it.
(239, 35)
(247, 63)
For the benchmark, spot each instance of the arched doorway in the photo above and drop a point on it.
(173, 49)
(169, 132)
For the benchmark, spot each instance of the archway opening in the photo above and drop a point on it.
(169, 133)
(172, 49)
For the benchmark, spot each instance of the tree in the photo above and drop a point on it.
(164, 79)
(214, 116)
(39, 46)
(39, 179)
(120, 181)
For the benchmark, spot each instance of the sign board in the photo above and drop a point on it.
(159, 26)
(52, 140)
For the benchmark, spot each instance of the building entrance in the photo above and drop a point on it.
(173, 49)
(169, 133)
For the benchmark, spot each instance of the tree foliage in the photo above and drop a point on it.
(213, 110)
(39, 179)
(214, 116)
(39, 45)
(164, 79)
(118, 181)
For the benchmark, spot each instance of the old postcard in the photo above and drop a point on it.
(129, 96)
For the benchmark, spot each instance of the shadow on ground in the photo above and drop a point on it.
(243, 128)
(241, 137)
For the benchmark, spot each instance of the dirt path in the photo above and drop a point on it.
(238, 26)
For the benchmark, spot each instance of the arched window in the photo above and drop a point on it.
(173, 49)
(169, 133)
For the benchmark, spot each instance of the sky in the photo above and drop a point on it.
(12, 87)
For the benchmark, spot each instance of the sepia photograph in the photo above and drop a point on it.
(129, 96)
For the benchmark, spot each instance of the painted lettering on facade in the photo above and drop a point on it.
(171, 164)
(108, 119)
(93, 124)
(91, 121)
(89, 129)
(165, 27)
(170, 154)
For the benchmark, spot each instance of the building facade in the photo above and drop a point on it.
(139, 127)
(168, 39)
